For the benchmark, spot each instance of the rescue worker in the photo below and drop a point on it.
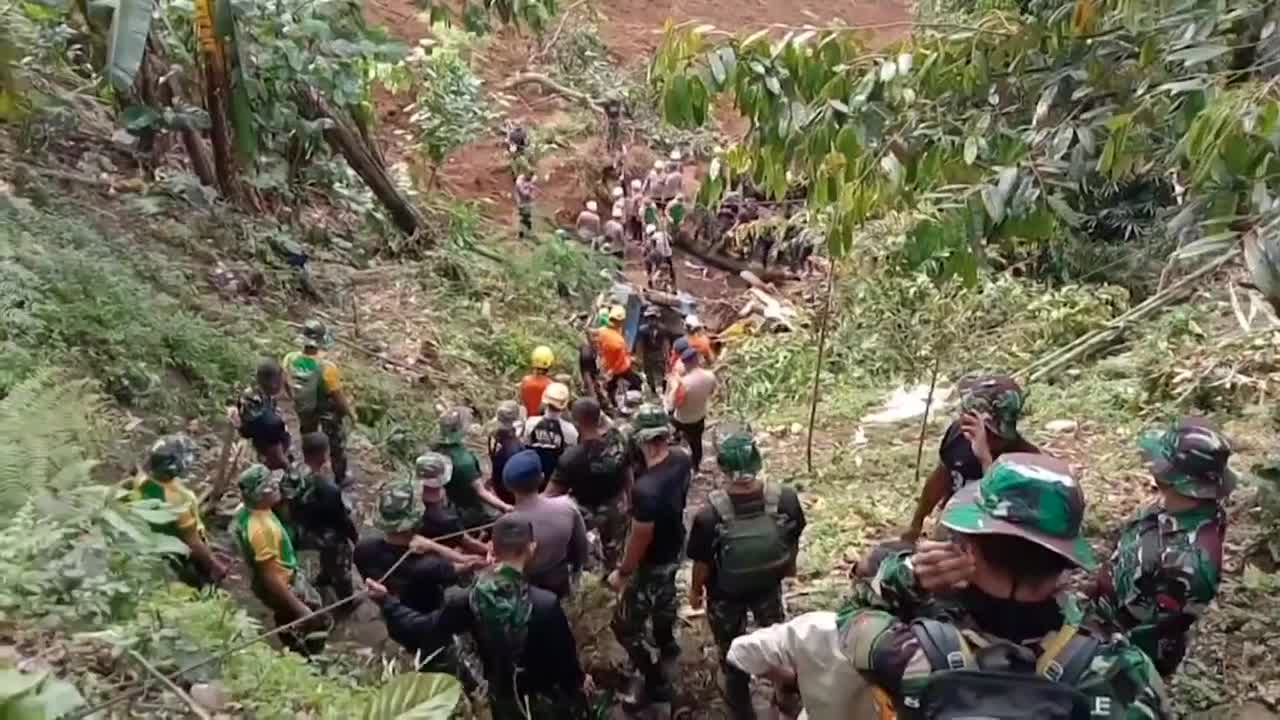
(167, 461)
(689, 399)
(440, 530)
(273, 565)
(476, 504)
(999, 614)
(524, 640)
(673, 181)
(505, 440)
(533, 385)
(634, 210)
(612, 107)
(742, 544)
(317, 518)
(653, 186)
(646, 577)
(420, 580)
(589, 361)
(1165, 570)
(676, 213)
(990, 407)
(659, 256)
(615, 357)
(588, 224)
(258, 419)
(655, 345)
(614, 232)
(558, 529)
(649, 217)
(595, 473)
(315, 386)
(550, 434)
(525, 192)
(698, 338)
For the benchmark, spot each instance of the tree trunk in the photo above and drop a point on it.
(170, 94)
(732, 265)
(347, 141)
(223, 160)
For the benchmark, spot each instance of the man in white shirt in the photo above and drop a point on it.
(689, 399)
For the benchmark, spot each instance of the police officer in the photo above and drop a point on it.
(1165, 570)
(740, 579)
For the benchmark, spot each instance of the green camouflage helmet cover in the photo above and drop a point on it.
(256, 483)
(433, 469)
(651, 422)
(1190, 458)
(736, 450)
(998, 398)
(398, 507)
(1031, 496)
(315, 334)
(453, 425)
(170, 456)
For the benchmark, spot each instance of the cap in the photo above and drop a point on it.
(315, 334)
(998, 398)
(658, 165)
(556, 396)
(508, 414)
(675, 155)
(591, 205)
(453, 425)
(1034, 497)
(650, 229)
(651, 422)
(398, 508)
(523, 471)
(736, 451)
(512, 529)
(617, 211)
(692, 322)
(690, 354)
(433, 469)
(617, 192)
(636, 184)
(257, 482)
(1190, 458)
(170, 456)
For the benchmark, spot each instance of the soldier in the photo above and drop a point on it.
(315, 385)
(596, 474)
(1165, 570)
(525, 192)
(465, 487)
(167, 461)
(441, 530)
(257, 416)
(317, 517)
(655, 344)
(990, 407)
(505, 441)
(1008, 630)
(612, 107)
(646, 577)
(269, 553)
(742, 544)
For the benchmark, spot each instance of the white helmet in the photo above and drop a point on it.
(591, 206)
(675, 155)
(692, 322)
(617, 192)
(650, 229)
(617, 212)
(636, 184)
(658, 165)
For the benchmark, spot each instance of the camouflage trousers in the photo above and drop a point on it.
(649, 597)
(555, 706)
(610, 521)
(336, 431)
(728, 620)
(335, 561)
(308, 638)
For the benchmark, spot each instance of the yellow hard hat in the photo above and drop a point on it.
(617, 313)
(542, 358)
(556, 396)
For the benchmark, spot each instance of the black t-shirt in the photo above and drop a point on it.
(501, 448)
(653, 340)
(587, 359)
(323, 508)
(706, 528)
(261, 422)
(440, 519)
(595, 470)
(957, 455)
(658, 497)
(419, 582)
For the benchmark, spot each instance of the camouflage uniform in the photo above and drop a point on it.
(1023, 495)
(332, 543)
(1165, 570)
(650, 595)
(996, 398)
(324, 417)
(610, 521)
(728, 621)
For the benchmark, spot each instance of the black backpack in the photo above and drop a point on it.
(1000, 681)
(547, 438)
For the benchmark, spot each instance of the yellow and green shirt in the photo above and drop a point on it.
(265, 545)
(314, 381)
(175, 494)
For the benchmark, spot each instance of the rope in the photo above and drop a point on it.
(130, 694)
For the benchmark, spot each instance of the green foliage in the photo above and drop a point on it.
(451, 109)
(476, 13)
(415, 696)
(1009, 128)
(127, 41)
(36, 695)
(69, 297)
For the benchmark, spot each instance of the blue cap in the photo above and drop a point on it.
(523, 472)
(680, 345)
(690, 354)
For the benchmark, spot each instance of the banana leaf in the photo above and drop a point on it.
(127, 42)
(240, 103)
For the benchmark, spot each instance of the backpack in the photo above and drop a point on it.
(987, 685)
(258, 416)
(306, 378)
(547, 438)
(752, 552)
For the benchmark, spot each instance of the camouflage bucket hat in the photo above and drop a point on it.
(508, 414)
(433, 469)
(398, 508)
(453, 425)
(315, 334)
(1190, 458)
(170, 456)
(651, 422)
(1034, 497)
(736, 451)
(998, 398)
(256, 483)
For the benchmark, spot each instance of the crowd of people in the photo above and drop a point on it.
(1002, 611)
